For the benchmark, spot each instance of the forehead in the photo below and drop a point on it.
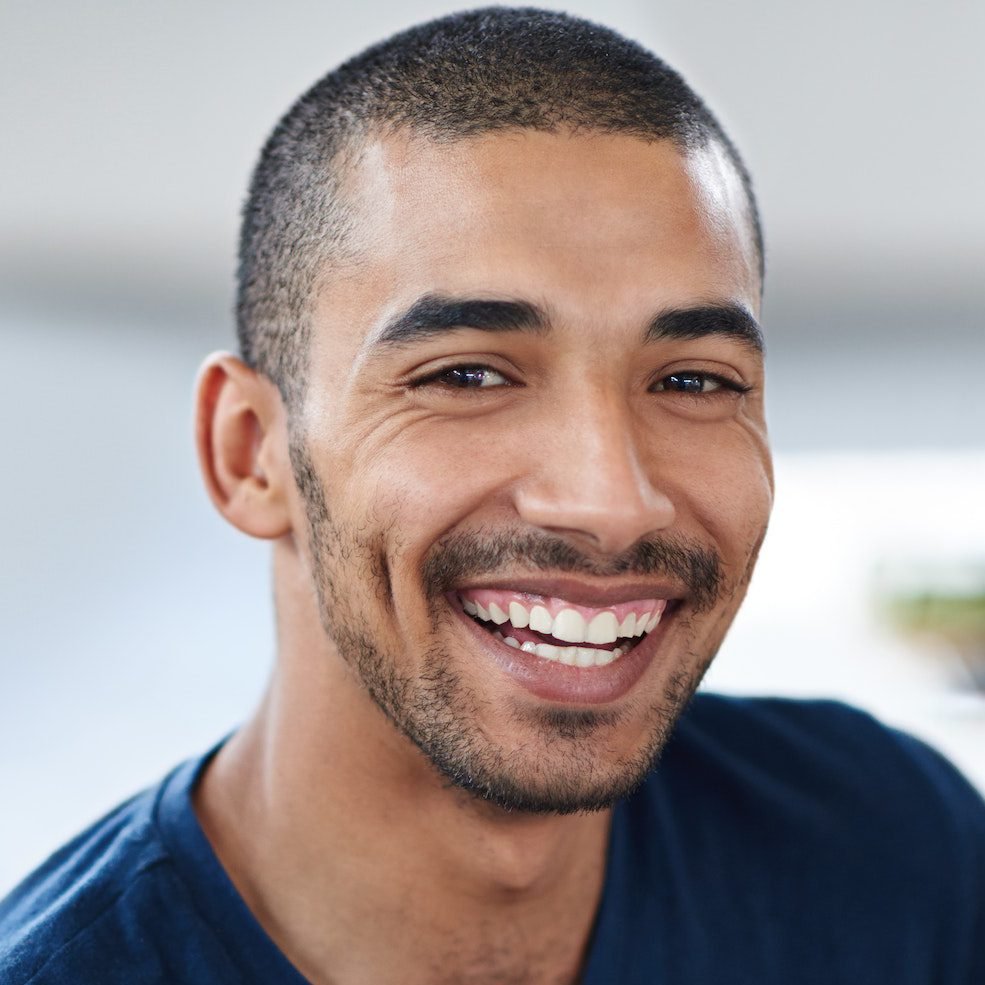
(586, 225)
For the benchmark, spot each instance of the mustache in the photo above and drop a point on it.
(470, 555)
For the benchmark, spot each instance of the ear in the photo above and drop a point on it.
(241, 437)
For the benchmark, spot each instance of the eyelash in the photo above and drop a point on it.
(725, 384)
(435, 377)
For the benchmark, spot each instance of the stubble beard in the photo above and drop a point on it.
(563, 766)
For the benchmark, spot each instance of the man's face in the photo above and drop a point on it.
(536, 394)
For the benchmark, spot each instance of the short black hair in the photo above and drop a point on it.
(460, 76)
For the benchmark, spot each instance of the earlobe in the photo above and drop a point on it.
(239, 431)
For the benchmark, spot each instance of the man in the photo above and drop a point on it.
(500, 412)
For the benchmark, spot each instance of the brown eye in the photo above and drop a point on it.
(466, 378)
(695, 384)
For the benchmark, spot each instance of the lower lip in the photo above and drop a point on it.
(555, 681)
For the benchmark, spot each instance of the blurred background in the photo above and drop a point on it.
(136, 627)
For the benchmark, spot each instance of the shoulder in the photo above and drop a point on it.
(827, 751)
(835, 795)
(864, 845)
(75, 917)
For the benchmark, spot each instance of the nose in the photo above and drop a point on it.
(589, 478)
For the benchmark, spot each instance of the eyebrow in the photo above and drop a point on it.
(434, 314)
(684, 324)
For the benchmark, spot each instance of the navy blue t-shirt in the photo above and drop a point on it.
(777, 842)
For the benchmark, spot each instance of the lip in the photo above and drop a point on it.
(550, 680)
(583, 592)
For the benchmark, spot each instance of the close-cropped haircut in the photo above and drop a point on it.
(461, 76)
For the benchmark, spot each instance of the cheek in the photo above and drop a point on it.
(728, 488)
(399, 508)
(425, 481)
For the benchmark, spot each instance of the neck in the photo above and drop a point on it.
(339, 834)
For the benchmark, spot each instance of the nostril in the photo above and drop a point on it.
(606, 520)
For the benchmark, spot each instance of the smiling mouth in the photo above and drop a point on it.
(557, 630)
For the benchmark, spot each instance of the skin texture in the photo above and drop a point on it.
(380, 492)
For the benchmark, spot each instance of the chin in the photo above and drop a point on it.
(540, 757)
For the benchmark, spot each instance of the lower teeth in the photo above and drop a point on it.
(574, 656)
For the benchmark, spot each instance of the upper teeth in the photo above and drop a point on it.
(568, 625)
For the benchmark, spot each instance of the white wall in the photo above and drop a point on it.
(133, 126)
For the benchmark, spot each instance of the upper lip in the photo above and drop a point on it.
(592, 594)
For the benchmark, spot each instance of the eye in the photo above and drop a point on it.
(472, 377)
(695, 383)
